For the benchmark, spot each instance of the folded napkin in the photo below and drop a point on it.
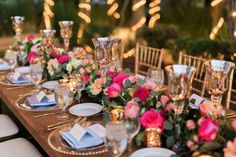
(195, 101)
(17, 78)
(88, 137)
(41, 100)
(4, 65)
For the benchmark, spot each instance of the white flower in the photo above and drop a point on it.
(73, 64)
(53, 66)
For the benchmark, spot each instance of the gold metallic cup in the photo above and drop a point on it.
(117, 115)
(66, 32)
(47, 36)
(153, 137)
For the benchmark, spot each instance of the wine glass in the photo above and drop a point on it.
(79, 87)
(36, 73)
(66, 32)
(116, 138)
(12, 61)
(156, 75)
(64, 98)
(132, 127)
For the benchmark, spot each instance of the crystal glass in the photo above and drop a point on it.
(156, 75)
(66, 32)
(36, 73)
(217, 72)
(79, 87)
(18, 23)
(132, 126)
(116, 138)
(64, 98)
(116, 64)
(12, 61)
(103, 52)
(47, 36)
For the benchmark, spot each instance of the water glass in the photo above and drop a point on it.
(63, 97)
(156, 75)
(116, 138)
(36, 74)
(12, 62)
(79, 87)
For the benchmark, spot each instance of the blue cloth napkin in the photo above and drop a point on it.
(4, 66)
(21, 80)
(90, 139)
(34, 103)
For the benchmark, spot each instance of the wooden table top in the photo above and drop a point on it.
(35, 126)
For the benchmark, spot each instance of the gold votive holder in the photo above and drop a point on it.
(117, 115)
(153, 137)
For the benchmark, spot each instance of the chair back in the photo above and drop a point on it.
(147, 57)
(231, 92)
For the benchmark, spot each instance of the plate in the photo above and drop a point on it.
(85, 109)
(152, 152)
(50, 85)
(22, 70)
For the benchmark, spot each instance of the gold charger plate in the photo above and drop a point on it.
(23, 104)
(56, 142)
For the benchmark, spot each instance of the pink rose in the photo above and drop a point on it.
(31, 57)
(54, 53)
(132, 79)
(113, 90)
(190, 124)
(234, 124)
(230, 150)
(63, 59)
(30, 37)
(152, 118)
(79, 53)
(131, 109)
(164, 99)
(120, 78)
(208, 110)
(170, 107)
(111, 73)
(85, 78)
(141, 93)
(36, 48)
(150, 85)
(208, 129)
(191, 145)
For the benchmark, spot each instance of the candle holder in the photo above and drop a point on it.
(66, 32)
(47, 36)
(117, 115)
(153, 137)
(18, 23)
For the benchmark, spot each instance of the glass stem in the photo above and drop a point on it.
(66, 43)
(130, 143)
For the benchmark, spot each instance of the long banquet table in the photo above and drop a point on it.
(35, 126)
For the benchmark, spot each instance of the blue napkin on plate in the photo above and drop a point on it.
(4, 66)
(45, 102)
(89, 139)
(21, 80)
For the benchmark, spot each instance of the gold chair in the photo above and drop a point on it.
(198, 63)
(231, 93)
(147, 57)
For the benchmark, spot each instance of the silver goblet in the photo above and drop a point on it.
(18, 23)
(47, 36)
(66, 32)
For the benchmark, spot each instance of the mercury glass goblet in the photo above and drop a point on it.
(18, 23)
(47, 36)
(66, 32)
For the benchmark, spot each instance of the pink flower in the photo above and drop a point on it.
(31, 57)
(30, 37)
(152, 118)
(81, 70)
(54, 53)
(208, 110)
(208, 129)
(79, 53)
(233, 123)
(120, 78)
(85, 78)
(113, 90)
(36, 48)
(63, 59)
(190, 124)
(131, 78)
(141, 93)
(96, 87)
(230, 150)
(111, 73)
(170, 107)
(150, 85)
(164, 99)
(191, 145)
(131, 109)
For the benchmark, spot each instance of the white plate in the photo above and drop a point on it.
(50, 85)
(4, 66)
(85, 109)
(23, 70)
(152, 152)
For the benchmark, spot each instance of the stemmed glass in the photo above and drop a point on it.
(132, 126)
(36, 72)
(66, 32)
(47, 36)
(79, 87)
(18, 23)
(156, 75)
(64, 98)
(116, 138)
(116, 55)
(216, 75)
(12, 61)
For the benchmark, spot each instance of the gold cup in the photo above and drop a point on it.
(117, 115)
(153, 137)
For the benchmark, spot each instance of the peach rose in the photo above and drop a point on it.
(230, 150)
(113, 90)
(131, 109)
(190, 124)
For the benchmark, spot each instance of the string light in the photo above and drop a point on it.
(216, 28)
(139, 24)
(112, 11)
(130, 53)
(85, 6)
(48, 14)
(234, 14)
(215, 2)
(138, 5)
(154, 12)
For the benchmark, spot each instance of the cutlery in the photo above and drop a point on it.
(46, 114)
(60, 123)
